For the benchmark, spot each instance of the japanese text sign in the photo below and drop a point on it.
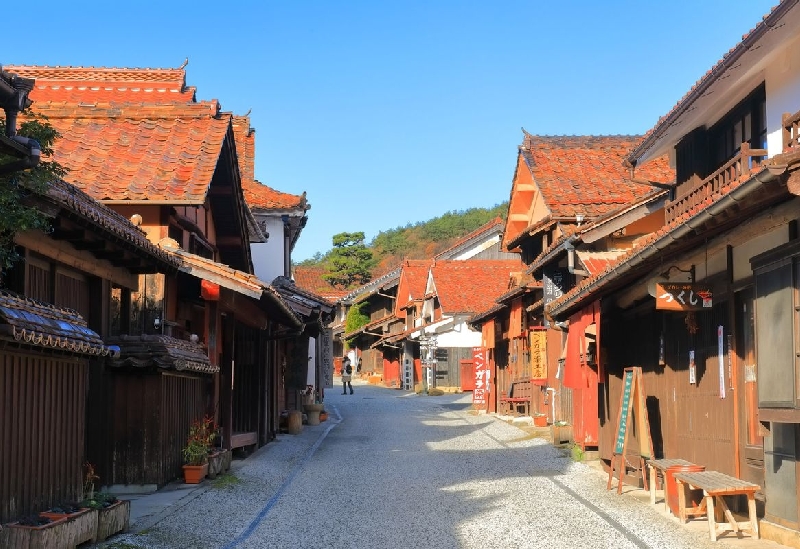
(482, 375)
(682, 297)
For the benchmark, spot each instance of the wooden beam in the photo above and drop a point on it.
(114, 256)
(79, 259)
(229, 241)
(89, 245)
(69, 235)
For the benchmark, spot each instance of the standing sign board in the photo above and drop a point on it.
(480, 395)
(632, 402)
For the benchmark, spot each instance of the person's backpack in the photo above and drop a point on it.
(349, 368)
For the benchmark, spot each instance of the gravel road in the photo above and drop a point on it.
(396, 470)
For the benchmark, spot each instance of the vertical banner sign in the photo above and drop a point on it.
(721, 358)
(692, 369)
(538, 354)
(482, 373)
(622, 425)
(554, 282)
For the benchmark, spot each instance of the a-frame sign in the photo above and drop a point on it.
(631, 402)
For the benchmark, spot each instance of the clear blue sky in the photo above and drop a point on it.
(389, 113)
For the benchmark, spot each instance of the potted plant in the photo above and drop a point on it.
(195, 453)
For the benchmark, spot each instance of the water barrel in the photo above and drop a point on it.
(693, 497)
(295, 423)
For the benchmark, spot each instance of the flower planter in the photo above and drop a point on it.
(218, 462)
(312, 411)
(194, 474)
(540, 420)
(48, 536)
(113, 519)
(81, 525)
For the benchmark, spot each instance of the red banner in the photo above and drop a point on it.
(482, 374)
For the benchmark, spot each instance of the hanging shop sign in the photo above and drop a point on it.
(555, 282)
(683, 297)
(538, 352)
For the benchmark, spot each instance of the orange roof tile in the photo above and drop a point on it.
(105, 84)
(413, 279)
(585, 174)
(164, 153)
(472, 286)
(130, 134)
(578, 175)
(310, 279)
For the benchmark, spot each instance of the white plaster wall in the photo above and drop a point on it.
(783, 92)
(743, 252)
(268, 257)
(460, 336)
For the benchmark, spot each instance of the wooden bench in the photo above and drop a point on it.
(521, 393)
(716, 485)
(660, 466)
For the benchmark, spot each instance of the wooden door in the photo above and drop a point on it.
(751, 445)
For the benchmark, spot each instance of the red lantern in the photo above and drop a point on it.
(209, 291)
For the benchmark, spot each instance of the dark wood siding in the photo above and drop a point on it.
(42, 402)
(448, 370)
(141, 442)
(248, 369)
(687, 421)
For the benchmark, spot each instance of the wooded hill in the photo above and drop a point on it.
(421, 240)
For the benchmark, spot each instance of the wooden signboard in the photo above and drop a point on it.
(631, 402)
(538, 350)
(683, 297)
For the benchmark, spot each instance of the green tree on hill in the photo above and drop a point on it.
(349, 262)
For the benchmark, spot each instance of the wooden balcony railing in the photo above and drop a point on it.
(791, 132)
(716, 185)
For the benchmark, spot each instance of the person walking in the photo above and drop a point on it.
(347, 372)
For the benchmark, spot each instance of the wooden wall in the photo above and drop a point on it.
(42, 410)
(140, 443)
(687, 421)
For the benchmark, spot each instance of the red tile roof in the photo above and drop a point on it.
(130, 134)
(310, 279)
(579, 175)
(597, 262)
(585, 175)
(471, 286)
(413, 279)
(105, 84)
(165, 153)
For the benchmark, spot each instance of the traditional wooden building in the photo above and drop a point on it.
(140, 142)
(719, 365)
(561, 185)
(55, 310)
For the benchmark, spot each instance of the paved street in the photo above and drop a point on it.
(392, 469)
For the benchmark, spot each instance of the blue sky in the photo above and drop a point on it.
(390, 113)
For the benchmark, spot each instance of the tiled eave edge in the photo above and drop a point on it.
(649, 248)
(28, 321)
